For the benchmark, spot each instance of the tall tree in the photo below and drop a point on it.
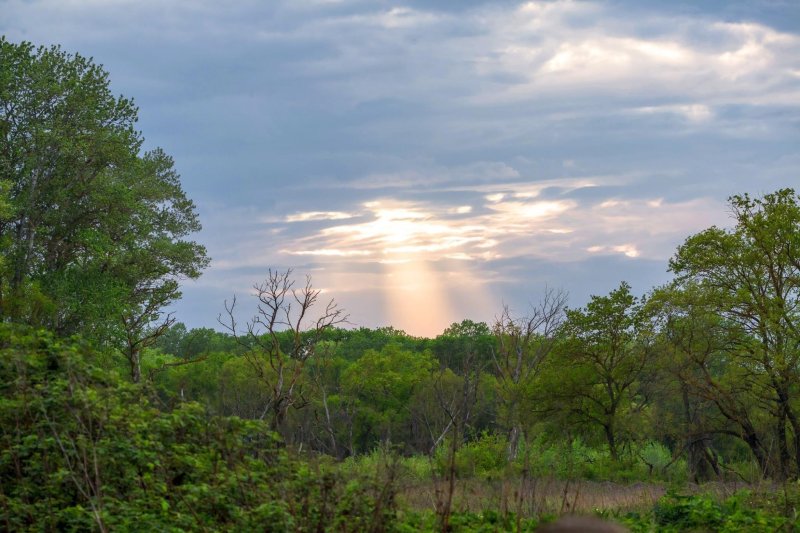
(95, 237)
(523, 345)
(694, 376)
(752, 274)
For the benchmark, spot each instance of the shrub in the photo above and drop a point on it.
(81, 449)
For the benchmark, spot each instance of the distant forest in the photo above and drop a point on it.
(113, 416)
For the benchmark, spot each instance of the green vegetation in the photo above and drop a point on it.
(92, 230)
(654, 411)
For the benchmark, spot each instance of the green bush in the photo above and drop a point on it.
(484, 457)
(82, 450)
(676, 513)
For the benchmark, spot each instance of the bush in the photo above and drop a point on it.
(740, 512)
(484, 457)
(81, 449)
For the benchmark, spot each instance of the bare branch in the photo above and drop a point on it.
(281, 337)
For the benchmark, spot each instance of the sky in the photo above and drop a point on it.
(428, 162)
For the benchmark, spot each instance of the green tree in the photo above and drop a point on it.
(602, 364)
(462, 341)
(95, 237)
(751, 275)
(693, 376)
(383, 383)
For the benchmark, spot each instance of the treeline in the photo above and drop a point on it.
(706, 367)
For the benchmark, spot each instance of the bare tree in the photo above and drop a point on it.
(457, 404)
(522, 345)
(283, 313)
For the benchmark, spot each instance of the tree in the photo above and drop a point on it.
(691, 376)
(464, 340)
(152, 257)
(751, 276)
(95, 235)
(523, 344)
(284, 312)
(602, 363)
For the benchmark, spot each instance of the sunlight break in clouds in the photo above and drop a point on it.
(421, 248)
(404, 230)
(405, 240)
(417, 244)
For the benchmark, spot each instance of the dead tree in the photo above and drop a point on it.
(523, 343)
(283, 313)
(457, 404)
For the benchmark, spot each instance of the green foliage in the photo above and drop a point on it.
(748, 278)
(484, 457)
(383, 382)
(601, 366)
(81, 449)
(677, 513)
(93, 232)
(464, 342)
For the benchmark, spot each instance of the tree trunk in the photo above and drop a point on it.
(134, 357)
(612, 441)
(513, 442)
(752, 440)
(702, 461)
(794, 423)
(784, 458)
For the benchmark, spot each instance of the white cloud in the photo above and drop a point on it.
(318, 215)
(696, 113)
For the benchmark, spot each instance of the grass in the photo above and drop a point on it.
(534, 497)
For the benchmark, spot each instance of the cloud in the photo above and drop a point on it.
(522, 221)
(692, 112)
(485, 144)
(318, 215)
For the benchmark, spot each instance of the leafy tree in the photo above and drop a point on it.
(692, 378)
(354, 343)
(189, 344)
(751, 276)
(602, 364)
(462, 341)
(384, 383)
(95, 235)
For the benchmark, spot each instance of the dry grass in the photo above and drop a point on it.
(535, 497)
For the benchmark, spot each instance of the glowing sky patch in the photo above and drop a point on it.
(318, 215)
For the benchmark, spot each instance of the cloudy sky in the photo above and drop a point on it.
(426, 162)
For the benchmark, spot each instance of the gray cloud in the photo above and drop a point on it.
(285, 116)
